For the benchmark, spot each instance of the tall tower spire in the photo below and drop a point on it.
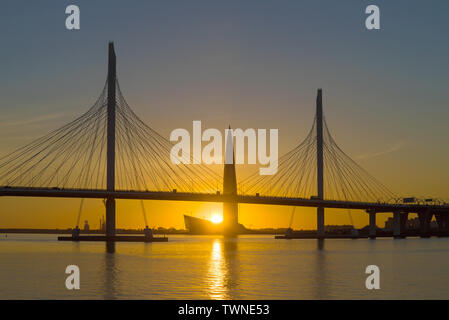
(110, 183)
(230, 209)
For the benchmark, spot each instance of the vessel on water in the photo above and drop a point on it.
(200, 226)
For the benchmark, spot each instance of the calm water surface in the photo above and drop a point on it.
(209, 267)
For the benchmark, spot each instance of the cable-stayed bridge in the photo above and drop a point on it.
(109, 153)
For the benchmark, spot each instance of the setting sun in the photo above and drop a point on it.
(216, 218)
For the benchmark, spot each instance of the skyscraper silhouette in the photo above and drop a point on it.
(230, 209)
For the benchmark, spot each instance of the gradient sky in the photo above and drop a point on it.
(251, 64)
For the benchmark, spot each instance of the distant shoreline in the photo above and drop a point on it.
(69, 231)
(171, 231)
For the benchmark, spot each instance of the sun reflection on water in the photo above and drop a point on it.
(217, 273)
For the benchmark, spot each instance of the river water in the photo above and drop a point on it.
(210, 267)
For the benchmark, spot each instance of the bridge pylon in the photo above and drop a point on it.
(320, 162)
(110, 183)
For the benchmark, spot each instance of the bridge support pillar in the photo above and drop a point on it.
(110, 217)
(443, 223)
(424, 223)
(403, 218)
(396, 224)
(399, 224)
(372, 224)
(446, 223)
(320, 222)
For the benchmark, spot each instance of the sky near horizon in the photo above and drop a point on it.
(251, 64)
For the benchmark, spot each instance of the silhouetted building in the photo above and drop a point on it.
(86, 226)
(230, 224)
(102, 224)
(230, 209)
(412, 224)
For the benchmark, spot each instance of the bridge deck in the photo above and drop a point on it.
(213, 197)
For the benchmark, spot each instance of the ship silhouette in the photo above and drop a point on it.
(200, 226)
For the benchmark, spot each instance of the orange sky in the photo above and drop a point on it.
(62, 213)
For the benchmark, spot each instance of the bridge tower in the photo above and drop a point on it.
(230, 209)
(110, 183)
(320, 164)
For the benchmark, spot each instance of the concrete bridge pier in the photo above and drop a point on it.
(110, 217)
(403, 220)
(396, 224)
(443, 223)
(399, 224)
(321, 233)
(424, 223)
(372, 224)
